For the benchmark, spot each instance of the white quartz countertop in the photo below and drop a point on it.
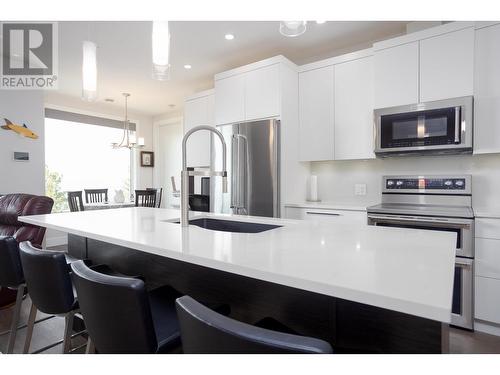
(409, 271)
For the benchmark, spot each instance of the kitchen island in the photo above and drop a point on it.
(362, 288)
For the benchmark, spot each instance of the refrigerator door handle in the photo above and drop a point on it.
(234, 175)
(242, 177)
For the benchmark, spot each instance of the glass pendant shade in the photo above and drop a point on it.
(293, 28)
(89, 71)
(161, 50)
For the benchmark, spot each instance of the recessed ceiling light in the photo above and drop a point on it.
(320, 22)
(171, 105)
(109, 100)
(187, 66)
(229, 36)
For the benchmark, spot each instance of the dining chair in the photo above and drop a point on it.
(96, 195)
(159, 193)
(145, 198)
(75, 201)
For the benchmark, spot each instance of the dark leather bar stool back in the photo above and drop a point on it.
(48, 280)
(204, 331)
(117, 312)
(11, 270)
(96, 195)
(75, 201)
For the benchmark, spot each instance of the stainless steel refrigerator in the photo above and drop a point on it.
(253, 169)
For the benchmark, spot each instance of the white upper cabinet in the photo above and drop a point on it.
(316, 114)
(354, 109)
(230, 99)
(248, 93)
(262, 92)
(199, 111)
(487, 91)
(446, 65)
(396, 75)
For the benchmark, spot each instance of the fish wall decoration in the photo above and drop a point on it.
(19, 129)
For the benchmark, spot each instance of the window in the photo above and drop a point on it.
(78, 156)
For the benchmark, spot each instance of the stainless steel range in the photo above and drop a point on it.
(439, 203)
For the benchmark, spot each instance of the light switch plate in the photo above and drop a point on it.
(359, 189)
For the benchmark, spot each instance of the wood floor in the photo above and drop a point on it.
(47, 332)
(44, 333)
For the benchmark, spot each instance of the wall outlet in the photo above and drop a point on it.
(359, 189)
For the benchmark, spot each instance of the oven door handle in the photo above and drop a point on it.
(452, 224)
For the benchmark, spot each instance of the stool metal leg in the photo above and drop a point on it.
(15, 319)
(90, 347)
(67, 331)
(29, 331)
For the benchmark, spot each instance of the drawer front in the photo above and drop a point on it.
(488, 228)
(488, 258)
(334, 216)
(487, 299)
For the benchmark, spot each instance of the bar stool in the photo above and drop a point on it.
(47, 275)
(12, 277)
(121, 316)
(204, 331)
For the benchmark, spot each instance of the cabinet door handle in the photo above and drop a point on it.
(322, 213)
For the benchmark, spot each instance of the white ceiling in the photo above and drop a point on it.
(124, 54)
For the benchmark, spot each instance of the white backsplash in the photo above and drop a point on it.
(336, 179)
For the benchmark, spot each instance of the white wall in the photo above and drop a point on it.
(336, 179)
(169, 140)
(22, 177)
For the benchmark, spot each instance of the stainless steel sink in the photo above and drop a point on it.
(231, 225)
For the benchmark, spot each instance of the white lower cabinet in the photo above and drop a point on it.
(333, 216)
(487, 299)
(487, 270)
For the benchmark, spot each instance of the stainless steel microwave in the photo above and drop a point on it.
(440, 127)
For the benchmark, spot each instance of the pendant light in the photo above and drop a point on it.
(161, 50)
(293, 28)
(128, 140)
(89, 71)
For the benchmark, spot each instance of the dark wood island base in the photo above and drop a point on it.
(350, 327)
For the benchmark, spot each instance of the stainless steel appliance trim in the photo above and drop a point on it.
(243, 188)
(466, 319)
(465, 104)
(466, 227)
(234, 174)
(276, 178)
(457, 121)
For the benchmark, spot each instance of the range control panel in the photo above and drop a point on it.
(426, 183)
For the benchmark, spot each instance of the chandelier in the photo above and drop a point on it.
(128, 139)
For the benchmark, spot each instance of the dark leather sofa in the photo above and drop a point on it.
(11, 207)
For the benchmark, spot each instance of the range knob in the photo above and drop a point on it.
(448, 183)
(399, 183)
(390, 183)
(459, 183)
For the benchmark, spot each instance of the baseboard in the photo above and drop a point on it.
(56, 241)
(487, 327)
